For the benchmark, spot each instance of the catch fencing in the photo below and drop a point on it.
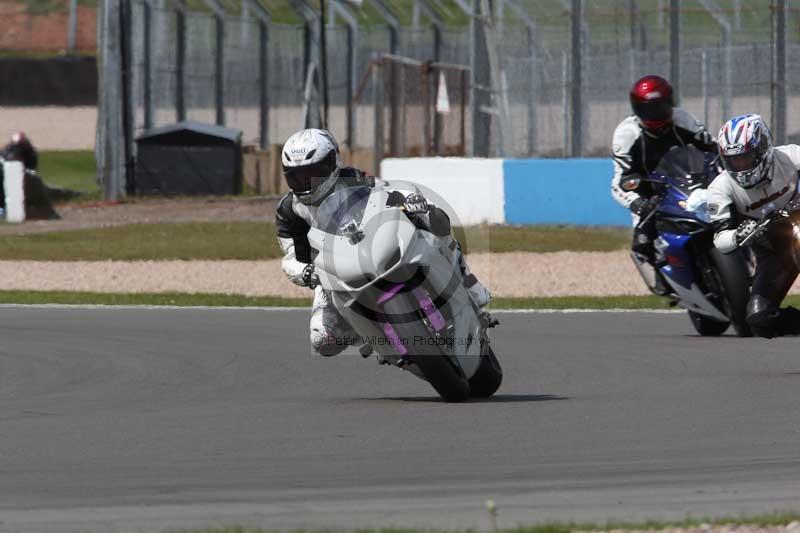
(546, 78)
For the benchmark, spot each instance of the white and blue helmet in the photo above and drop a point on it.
(745, 148)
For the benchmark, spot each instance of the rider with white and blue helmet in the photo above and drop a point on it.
(758, 179)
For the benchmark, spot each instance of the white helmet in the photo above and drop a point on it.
(745, 148)
(310, 161)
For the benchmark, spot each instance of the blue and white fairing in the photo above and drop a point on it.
(681, 217)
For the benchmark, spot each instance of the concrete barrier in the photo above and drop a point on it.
(14, 189)
(517, 191)
(472, 187)
(561, 191)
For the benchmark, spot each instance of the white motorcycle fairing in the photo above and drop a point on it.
(368, 254)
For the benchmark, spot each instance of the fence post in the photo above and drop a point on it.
(727, 89)
(147, 59)
(532, 93)
(377, 99)
(180, 61)
(577, 78)
(263, 86)
(72, 26)
(219, 72)
(778, 95)
(704, 84)
(263, 71)
(395, 117)
(128, 115)
(675, 47)
(565, 99)
(481, 82)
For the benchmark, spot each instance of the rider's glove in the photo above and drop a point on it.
(642, 207)
(310, 278)
(745, 229)
(415, 204)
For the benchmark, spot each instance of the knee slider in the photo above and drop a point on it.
(325, 344)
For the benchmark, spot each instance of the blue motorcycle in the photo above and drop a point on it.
(713, 287)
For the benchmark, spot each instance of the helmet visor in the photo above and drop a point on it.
(741, 162)
(303, 180)
(653, 111)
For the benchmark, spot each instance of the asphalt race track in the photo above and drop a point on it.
(145, 419)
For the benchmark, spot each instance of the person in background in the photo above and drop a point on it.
(638, 144)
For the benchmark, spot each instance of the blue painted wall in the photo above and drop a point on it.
(561, 191)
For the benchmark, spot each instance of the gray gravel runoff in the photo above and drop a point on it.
(143, 419)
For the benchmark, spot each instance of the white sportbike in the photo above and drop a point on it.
(401, 290)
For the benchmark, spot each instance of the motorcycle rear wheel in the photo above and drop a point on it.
(487, 379)
(434, 363)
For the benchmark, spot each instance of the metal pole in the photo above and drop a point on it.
(349, 87)
(704, 84)
(498, 103)
(126, 43)
(323, 47)
(779, 71)
(727, 89)
(378, 142)
(426, 109)
(532, 93)
(147, 53)
(675, 47)
(263, 88)
(577, 78)
(438, 123)
(72, 26)
(565, 99)
(180, 61)
(219, 69)
(480, 82)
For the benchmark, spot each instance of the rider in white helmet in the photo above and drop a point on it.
(313, 170)
(758, 180)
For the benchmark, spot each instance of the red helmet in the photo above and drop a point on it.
(651, 99)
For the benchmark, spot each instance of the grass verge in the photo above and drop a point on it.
(256, 240)
(776, 519)
(233, 300)
(71, 169)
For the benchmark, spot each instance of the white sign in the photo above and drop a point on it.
(14, 187)
(442, 101)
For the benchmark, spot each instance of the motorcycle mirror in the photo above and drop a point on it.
(630, 183)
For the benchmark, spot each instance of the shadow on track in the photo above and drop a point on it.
(497, 398)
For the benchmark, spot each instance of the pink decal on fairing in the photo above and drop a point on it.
(434, 315)
(394, 339)
(386, 296)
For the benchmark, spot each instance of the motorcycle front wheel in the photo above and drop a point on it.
(707, 327)
(424, 351)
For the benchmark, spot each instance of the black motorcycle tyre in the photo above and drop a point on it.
(434, 363)
(487, 379)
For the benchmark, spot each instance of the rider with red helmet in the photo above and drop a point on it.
(639, 143)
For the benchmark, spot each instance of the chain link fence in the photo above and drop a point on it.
(558, 88)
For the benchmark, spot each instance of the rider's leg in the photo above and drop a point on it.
(775, 274)
(643, 246)
(330, 333)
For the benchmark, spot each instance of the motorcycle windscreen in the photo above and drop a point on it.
(342, 212)
(687, 168)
